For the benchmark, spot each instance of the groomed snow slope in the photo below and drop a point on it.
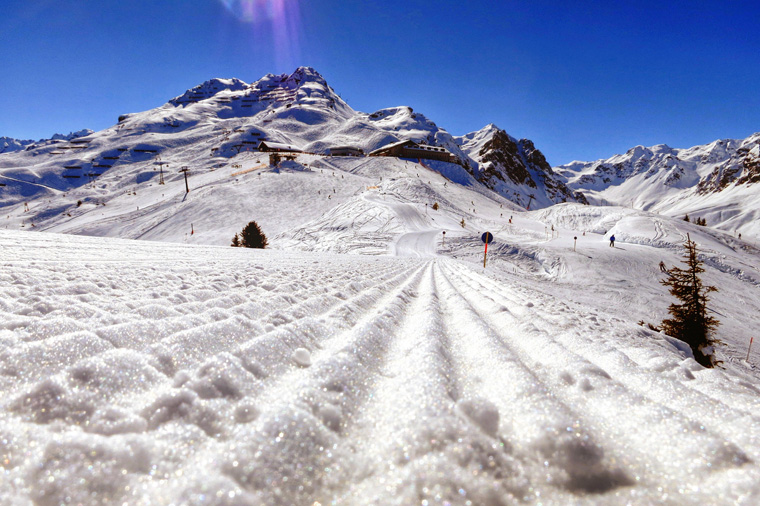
(153, 373)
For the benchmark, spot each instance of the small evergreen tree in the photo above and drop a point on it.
(462, 222)
(435, 206)
(253, 237)
(235, 241)
(686, 218)
(689, 320)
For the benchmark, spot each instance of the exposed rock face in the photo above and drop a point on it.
(500, 159)
(554, 186)
(515, 169)
(751, 165)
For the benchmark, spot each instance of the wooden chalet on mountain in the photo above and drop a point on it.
(276, 147)
(412, 149)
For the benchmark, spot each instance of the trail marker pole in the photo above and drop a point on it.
(750, 347)
(443, 241)
(575, 240)
(486, 238)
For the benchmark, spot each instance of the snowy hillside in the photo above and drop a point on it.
(214, 130)
(146, 372)
(716, 182)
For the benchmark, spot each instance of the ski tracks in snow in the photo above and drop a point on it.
(611, 395)
(365, 381)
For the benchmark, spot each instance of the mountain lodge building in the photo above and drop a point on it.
(277, 147)
(411, 149)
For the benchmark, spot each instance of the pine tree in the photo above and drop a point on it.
(435, 206)
(690, 322)
(235, 241)
(686, 218)
(253, 237)
(462, 222)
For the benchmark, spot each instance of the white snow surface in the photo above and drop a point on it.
(146, 372)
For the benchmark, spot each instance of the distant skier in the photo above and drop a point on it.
(662, 266)
(612, 241)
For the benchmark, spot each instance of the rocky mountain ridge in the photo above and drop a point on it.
(516, 169)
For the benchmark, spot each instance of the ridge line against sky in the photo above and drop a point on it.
(583, 81)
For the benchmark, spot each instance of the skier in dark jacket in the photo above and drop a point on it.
(612, 241)
(662, 266)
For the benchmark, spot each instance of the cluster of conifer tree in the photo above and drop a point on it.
(250, 237)
(698, 221)
(689, 321)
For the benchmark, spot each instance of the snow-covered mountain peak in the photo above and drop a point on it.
(405, 124)
(71, 135)
(9, 144)
(642, 152)
(711, 181)
(659, 149)
(477, 138)
(306, 74)
(208, 89)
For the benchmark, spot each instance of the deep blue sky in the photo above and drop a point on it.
(583, 80)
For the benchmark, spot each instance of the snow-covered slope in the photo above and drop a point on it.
(154, 373)
(716, 182)
(214, 130)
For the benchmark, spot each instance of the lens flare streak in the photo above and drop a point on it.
(282, 17)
